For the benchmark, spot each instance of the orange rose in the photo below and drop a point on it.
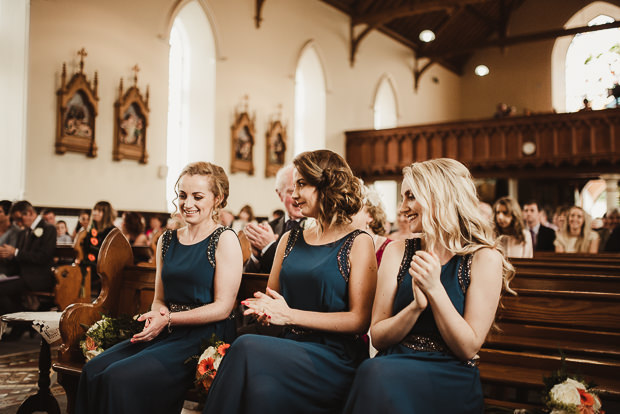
(586, 398)
(222, 349)
(92, 257)
(90, 343)
(94, 232)
(94, 241)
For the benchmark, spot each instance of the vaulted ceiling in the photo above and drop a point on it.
(461, 27)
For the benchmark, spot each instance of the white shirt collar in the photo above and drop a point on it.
(35, 223)
(535, 228)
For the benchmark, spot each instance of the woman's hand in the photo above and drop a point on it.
(269, 308)
(153, 325)
(420, 301)
(425, 270)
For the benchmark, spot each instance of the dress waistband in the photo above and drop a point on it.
(432, 343)
(300, 331)
(180, 307)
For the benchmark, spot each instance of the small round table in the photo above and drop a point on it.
(43, 400)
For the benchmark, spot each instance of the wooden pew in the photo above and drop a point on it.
(125, 289)
(567, 304)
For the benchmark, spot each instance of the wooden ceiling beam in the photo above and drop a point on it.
(484, 19)
(519, 39)
(414, 9)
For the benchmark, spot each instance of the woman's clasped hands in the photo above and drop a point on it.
(425, 271)
(268, 308)
(154, 323)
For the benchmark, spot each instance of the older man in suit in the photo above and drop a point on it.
(542, 236)
(263, 237)
(30, 260)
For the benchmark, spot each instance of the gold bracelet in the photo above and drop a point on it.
(169, 322)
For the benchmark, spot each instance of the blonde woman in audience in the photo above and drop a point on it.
(577, 235)
(436, 300)
(509, 227)
(101, 223)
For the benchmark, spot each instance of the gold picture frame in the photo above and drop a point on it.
(131, 119)
(275, 148)
(76, 109)
(242, 144)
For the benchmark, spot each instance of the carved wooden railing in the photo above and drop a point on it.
(582, 144)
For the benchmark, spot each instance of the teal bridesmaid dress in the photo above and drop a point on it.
(153, 377)
(303, 371)
(420, 374)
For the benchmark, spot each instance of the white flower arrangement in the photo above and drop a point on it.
(573, 397)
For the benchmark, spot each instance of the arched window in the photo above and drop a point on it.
(309, 101)
(592, 66)
(14, 19)
(385, 107)
(191, 93)
(562, 62)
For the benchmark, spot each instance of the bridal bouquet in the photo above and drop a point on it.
(209, 362)
(107, 332)
(572, 397)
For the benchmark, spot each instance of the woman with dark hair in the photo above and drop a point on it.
(101, 223)
(509, 228)
(196, 282)
(436, 300)
(133, 228)
(320, 290)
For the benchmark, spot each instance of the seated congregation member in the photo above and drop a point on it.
(577, 235)
(509, 228)
(196, 282)
(8, 228)
(371, 218)
(320, 288)
(133, 229)
(61, 233)
(30, 259)
(403, 232)
(435, 302)
(263, 237)
(82, 223)
(101, 223)
(542, 235)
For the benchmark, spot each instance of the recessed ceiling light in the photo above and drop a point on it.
(427, 36)
(481, 70)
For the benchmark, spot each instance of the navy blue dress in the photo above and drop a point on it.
(304, 371)
(152, 377)
(420, 374)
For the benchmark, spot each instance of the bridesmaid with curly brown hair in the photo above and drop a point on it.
(320, 290)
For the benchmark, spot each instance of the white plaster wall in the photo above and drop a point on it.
(259, 63)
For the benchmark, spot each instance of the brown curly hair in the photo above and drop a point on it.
(339, 191)
(218, 184)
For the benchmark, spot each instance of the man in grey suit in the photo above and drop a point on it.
(263, 237)
(30, 261)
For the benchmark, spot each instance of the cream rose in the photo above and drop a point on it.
(566, 393)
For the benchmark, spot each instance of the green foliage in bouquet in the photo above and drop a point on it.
(107, 332)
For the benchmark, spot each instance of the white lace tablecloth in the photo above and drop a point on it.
(46, 323)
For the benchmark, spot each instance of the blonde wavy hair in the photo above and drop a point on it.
(339, 191)
(218, 184)
(450, 215)
(582, 245)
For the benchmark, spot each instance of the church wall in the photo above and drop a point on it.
(521, 75)
(259, 63)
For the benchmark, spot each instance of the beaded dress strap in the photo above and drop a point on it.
(292, 239)
(344, 265)
(212, 246)
(166, 238)
(464, 273)
(411, 246)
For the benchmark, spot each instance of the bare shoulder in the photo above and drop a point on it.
(487, 259)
